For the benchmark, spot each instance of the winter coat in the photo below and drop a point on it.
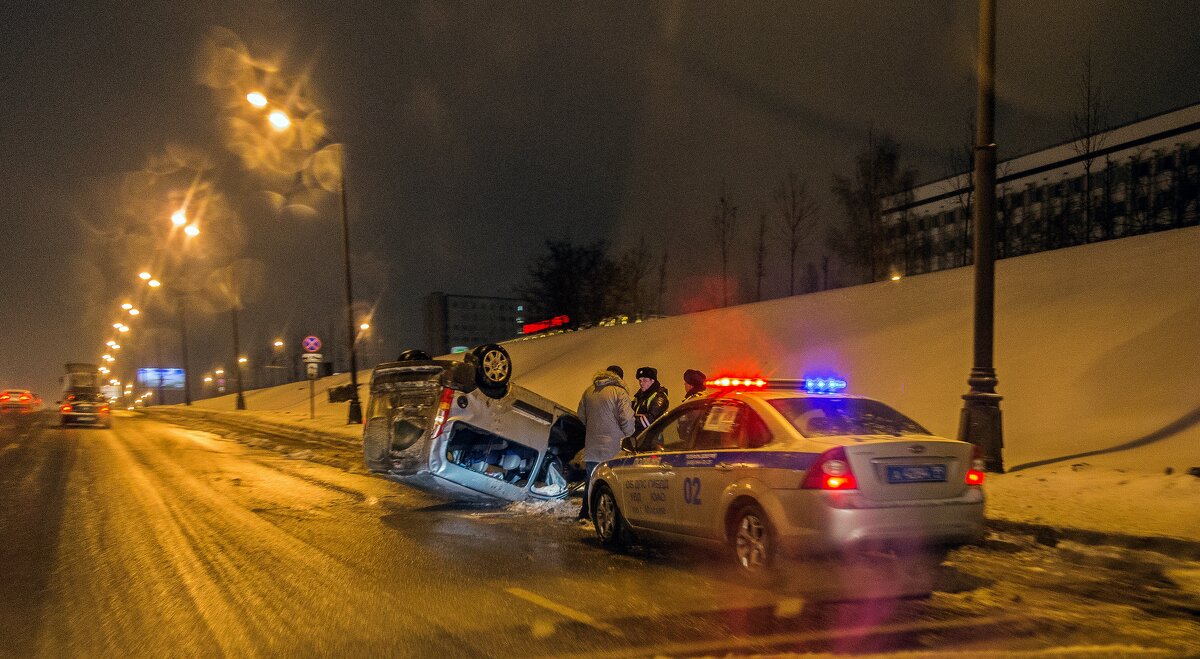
(607, 417)
(650, 404)
(695, 393)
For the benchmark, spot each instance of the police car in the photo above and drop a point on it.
(771, 468)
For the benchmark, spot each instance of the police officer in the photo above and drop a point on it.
(650, 401)
(694, 383)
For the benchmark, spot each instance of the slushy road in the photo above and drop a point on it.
(153, 539)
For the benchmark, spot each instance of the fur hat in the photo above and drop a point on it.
(694, 378)
(618, 370)
(647, 372)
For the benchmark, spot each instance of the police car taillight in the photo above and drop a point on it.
(831, 471)
(975, 473)
(65, 408)
(443, 411)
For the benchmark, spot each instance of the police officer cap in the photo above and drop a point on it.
(647, 372)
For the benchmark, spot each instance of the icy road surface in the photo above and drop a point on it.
(152, 539)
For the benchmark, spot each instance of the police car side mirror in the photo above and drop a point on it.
(627, 444)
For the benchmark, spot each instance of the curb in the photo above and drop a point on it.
(1048, 535)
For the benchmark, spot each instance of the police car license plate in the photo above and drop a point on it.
(916, 473)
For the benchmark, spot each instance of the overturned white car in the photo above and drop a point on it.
(462, 431)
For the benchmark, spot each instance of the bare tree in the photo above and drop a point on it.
(724, 223)
(1088, 124)
(960, 161)
(760, 256)
(633, 268)
(661, 291)
(797, 209)
(878, 175)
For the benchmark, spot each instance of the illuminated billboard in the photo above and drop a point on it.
(154, 378)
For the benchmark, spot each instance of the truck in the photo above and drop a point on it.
(82, 401)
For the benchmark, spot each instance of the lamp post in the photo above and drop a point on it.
(281, 121)
(237, 351)
(355, 413)
(980, 423)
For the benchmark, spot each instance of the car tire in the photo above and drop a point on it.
(752, 540)
(377, 445)
(610, 524)
(493, 369)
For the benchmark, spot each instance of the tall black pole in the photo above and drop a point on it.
(355, 414)
(187, 376)
(980, 422)
(237, 364)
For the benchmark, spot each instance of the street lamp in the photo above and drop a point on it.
(980, 422)
(280, 121)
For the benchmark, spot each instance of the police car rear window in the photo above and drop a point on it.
(828, 417)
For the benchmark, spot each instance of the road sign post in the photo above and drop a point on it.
(312, 370)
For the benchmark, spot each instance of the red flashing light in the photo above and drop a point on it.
(543, 325)
(24, 397)
(4, 397)
(738, 383)
(443, 411)
(831, 471)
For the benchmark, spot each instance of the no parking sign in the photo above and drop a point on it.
(311, 343)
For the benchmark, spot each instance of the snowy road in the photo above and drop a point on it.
(151, 539)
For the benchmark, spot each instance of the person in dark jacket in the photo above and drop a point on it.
(694, 383)
(650, 401)
(607, 418)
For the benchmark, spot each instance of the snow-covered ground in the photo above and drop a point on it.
(1095, 351)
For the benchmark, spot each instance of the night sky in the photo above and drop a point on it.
(476, 132)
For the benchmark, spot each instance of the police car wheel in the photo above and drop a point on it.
(753, 540)
(606, 515)
(494, 366)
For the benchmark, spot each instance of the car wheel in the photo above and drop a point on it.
(753, 540)
(606, 516)
(493, 368)
(377, 449)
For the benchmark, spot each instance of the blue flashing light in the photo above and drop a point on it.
(824, 385)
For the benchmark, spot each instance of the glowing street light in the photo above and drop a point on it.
(127, 306)
(144, 276)
(365, 326)
(279, 120)
(179, 217)
(220, 371)
(207, 379)
(278, 344)
(117, 326)
(110, 343)
(257, 99)
(154, 283)
(242, 360)
(134, 312)
(123, 328)
(191, 230)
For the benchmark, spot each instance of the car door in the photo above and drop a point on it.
(710, 467)
(648, 479)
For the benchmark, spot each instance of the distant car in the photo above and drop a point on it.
(461, 430)
(19, 401)
(82, 406)
(766, 469)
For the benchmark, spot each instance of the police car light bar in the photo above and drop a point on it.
(829, 385)
(728, 383)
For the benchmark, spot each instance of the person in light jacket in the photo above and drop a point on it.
(607, 416)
